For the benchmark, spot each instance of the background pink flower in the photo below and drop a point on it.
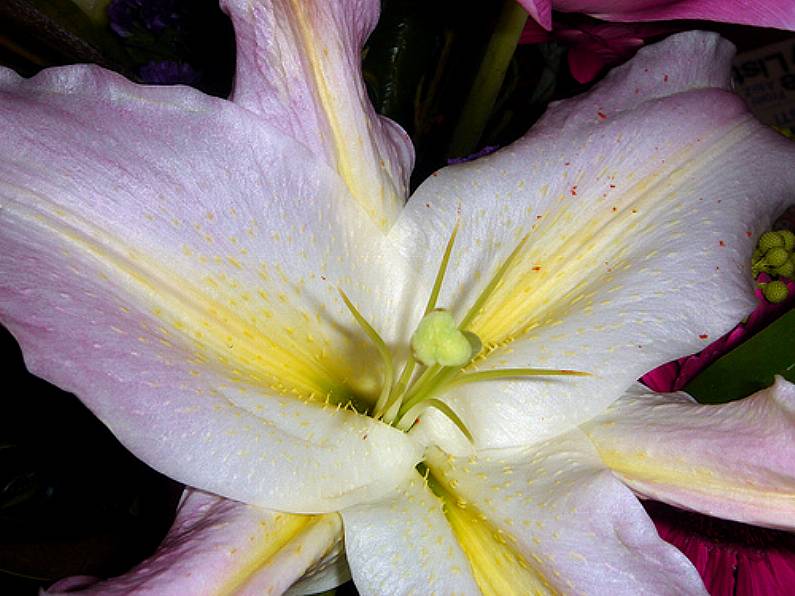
(673, 376)
(779, 14)
(734, 559)
(595, 44)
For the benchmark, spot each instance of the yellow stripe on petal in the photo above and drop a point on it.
(280, 537)
(577, 245)
(498, 567)
(205, 323)
(358, 162)
(642, 469)
(276, 534)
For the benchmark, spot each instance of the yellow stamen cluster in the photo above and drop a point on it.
(775, 255)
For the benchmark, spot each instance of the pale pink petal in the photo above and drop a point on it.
(217, 546)
(735, 460)
(540, 11)
(555, 511)
(779, 14)
(162, 257)
(299, 67)
(641, 210)
(403, 544)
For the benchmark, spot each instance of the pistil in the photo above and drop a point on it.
(445, 349)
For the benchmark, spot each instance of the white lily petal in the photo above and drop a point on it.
(403, 544)
(178, 279)
(734, 460)
(299, 67)
(218, 546)
(553, 519)
(640, 215)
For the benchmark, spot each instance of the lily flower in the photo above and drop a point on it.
(241, 292)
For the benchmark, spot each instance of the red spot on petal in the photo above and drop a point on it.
(722, 243)
(602, 115)
(573, 190)
(703, 336)
(749, 233)
(612, 186)
(567, 163)
(665, 78)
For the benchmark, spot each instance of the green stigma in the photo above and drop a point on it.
(438, 340)
(442, 351)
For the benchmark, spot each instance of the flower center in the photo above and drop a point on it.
(442, 350)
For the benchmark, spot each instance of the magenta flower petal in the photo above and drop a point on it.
(779, 14)
(595, 45)
(732, 558)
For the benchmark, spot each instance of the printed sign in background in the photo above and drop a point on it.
(765, 77)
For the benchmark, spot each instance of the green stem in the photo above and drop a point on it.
(488, 81)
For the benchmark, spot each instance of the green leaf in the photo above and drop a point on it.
(751, 366)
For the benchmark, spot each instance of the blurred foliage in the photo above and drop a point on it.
(421, 60)
(194, 34)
